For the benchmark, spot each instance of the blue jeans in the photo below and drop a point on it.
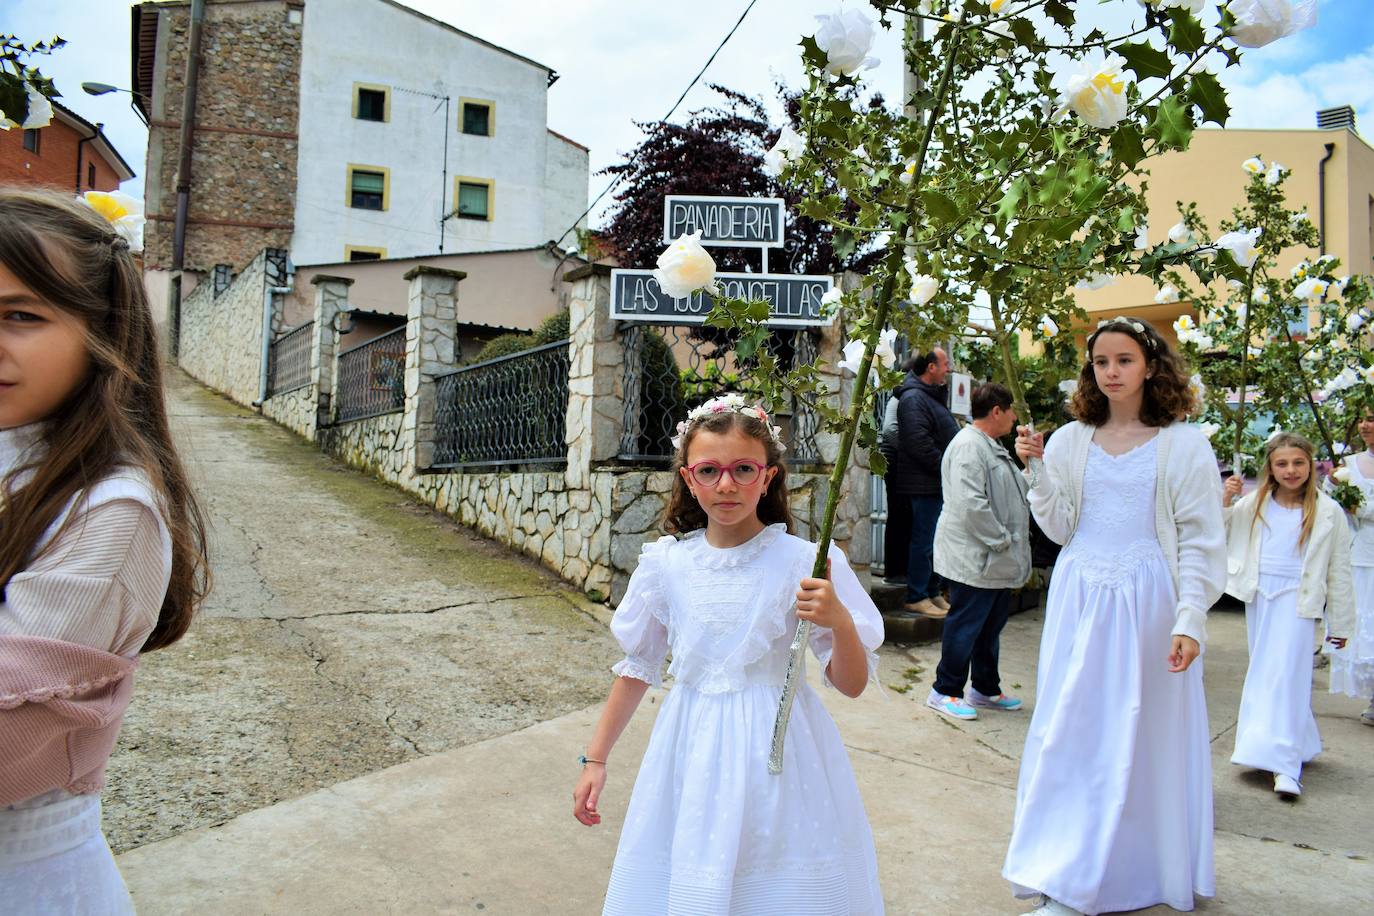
(971, 637)
(921, 579)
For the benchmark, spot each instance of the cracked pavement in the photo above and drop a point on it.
(349, 629)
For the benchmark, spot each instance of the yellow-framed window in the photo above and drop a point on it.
(371, 102)
(477, 117)
(369, 187)
(363, 253)
(474, 198)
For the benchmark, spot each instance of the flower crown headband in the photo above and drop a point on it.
(728, 403)
(124, 213)
(1131, 323)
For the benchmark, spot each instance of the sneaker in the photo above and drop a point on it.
(1286, 787)
(1001, 701)
(940, 602)
(925, 607)
(954, 707)
(1050, 907)
(1367, 717)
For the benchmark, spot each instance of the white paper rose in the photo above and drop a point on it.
(1096, 92)
(1167, 293)
(1048, 326)
(1311, 288)
(846, 37)
(830, 302)
(1258, 22)
(923, 286)
(1095, 280)
(1259, 295)
(1276, 172)
(125, 214)
(1142, 237)
(1242, 244)
(1252, 166)
(1341, 474)
(40, 109)
(1209, 429)
(789, 145)
(685, 267)
(886, 353)
(1179, 234)
(1354, 321)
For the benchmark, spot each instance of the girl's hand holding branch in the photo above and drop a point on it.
(1231, 490)
(1029, 444)
(818, 603)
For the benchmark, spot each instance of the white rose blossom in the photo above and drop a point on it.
(1299, 270)
(1259, 22)
(1142, 236)
(1341, 474)
(1167, 293)
(1242, 244)
(40, 109)
(884, 354)
(1297, 219)
(1179, 234)
(685, 267)
(846, 36)
(1311, 288)
(1275, 172)
(1095, 280)
(1354, 321)
(1048, 326)
(1259, 295)
(1253, 166)
(1209, 429)
(923, 286)
(124, 212)
(789, 145)
(1096, 92)
(830, 302)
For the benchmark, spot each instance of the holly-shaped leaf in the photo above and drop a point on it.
(1172, 124)
(1185, 31)
(1060, 12)
(1145, 60)
(1127, 145)
(1206, 93)
(940, 206)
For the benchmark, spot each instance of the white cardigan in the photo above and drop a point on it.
(1188, 520)
(1326, 579)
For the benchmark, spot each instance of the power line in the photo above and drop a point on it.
(616, 180)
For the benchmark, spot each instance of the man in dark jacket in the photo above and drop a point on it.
(924, 428)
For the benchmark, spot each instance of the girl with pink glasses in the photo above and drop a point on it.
(708, 829)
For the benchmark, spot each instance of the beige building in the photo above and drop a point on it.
(1332, 179)
(503, 291)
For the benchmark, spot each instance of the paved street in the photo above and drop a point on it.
(388, 757)
(349, 629)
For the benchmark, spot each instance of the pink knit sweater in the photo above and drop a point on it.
(61, 705)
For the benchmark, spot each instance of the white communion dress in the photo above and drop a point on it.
(709, 830)
(1114, 800)
(1276, 730)
(1352, 668)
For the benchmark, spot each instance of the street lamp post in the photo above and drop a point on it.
(106, 88)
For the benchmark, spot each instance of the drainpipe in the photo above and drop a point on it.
(79, 144)
(183, 176)
(1321, 197)
(268, 310)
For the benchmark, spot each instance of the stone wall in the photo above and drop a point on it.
(587, 521)
(221, 336)
(243, 171)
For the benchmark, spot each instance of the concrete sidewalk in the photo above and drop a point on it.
(488, 827)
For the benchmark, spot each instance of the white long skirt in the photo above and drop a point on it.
(1276, 730)
(54, 860)
(710, 831)
(1352, 668)
(1114, 801)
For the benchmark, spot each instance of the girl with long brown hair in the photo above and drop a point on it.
(1133, 494)
(708, 829)
(1289, 559)
(102, 544)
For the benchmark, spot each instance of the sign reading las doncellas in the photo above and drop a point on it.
(736, 222)
(795, 298)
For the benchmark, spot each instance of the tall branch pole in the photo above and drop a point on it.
(1247, 294)
(1327, 441)
(859, 399)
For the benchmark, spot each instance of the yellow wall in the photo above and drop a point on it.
(1209, 173)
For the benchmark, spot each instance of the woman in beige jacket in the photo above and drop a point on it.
(1288, 559)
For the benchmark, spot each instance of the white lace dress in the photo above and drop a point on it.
(1352, 668)
(1276, 730)
(709, 830)
(1114, 800)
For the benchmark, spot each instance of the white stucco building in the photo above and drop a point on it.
(382, 158)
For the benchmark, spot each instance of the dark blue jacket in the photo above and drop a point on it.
(924, 428)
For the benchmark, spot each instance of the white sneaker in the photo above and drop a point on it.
(1286, 787)
(1053, 908)
(1367, 717)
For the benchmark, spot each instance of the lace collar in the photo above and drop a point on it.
(715, 557)
(15, 444)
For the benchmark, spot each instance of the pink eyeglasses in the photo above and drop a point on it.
(744, 473)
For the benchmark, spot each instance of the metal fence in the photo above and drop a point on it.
(670, 368)
(372, 377)
(288, 363)
(508, 410)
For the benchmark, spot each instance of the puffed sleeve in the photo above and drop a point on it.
(1195, 486)
(1051, 494)
(100, 583)
(640, 623)
(868, 622)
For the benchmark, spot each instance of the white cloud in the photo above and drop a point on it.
(1292, 99)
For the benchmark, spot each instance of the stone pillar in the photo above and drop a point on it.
(431, 332)
(223, 277)
(331, 298)
(596, 407)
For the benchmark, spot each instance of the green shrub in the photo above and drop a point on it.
(554, 328)
(504, 345)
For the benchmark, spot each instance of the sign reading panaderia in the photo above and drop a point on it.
(735, 222)
(795, 299)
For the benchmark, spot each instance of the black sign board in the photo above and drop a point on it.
(735, 222)
(795, 299)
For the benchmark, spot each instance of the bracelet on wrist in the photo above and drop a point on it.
(584, 760)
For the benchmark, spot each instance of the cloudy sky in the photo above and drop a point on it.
(627, 60)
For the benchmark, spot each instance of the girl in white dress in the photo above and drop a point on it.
(1288, 553)
(102, 548)
(1114, 800)
(1352, 668)
(709, 830)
